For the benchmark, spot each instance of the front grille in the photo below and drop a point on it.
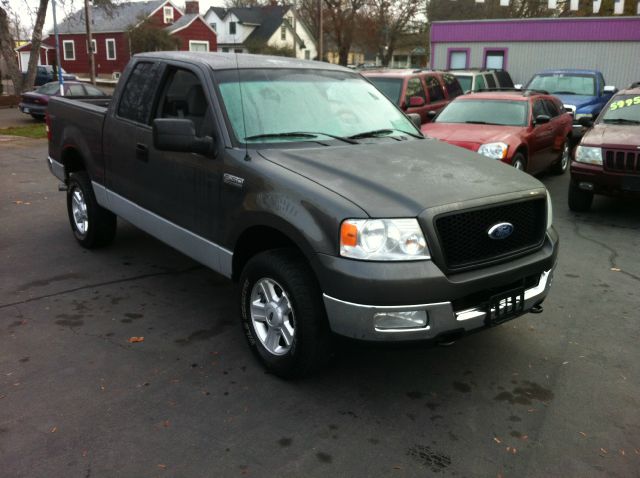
(621, 161)
(465, 241)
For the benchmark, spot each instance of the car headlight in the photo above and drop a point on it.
(383, 240)
(588, 154)
(494, 150)
(583, 115)
(549, 211)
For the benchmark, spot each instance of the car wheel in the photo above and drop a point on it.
(579, 199)
(561, 166)
(92, 225)
(37, 117)
(519, 162)
(283, 315)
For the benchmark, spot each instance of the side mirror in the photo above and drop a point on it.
(586, 122)
(541, 119)
(415, 119)
(431, 114)
(171, 134)
(610, 90)
(416, 101)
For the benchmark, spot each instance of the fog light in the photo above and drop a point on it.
(409, 319)
(586, 186)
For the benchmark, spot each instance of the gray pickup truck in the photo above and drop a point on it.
(304, 183)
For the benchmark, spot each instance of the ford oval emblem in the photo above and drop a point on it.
(500, 231)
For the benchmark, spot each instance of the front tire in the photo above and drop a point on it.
(283, 314)
(579, 199)
(92, 225)
(519, 162)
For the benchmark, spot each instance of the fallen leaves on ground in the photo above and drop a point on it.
(133, 340)
(53, 430)
(583, 434)
(511, 449)
(497, 440)
(615, 269)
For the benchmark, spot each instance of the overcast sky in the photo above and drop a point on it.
(26, 10)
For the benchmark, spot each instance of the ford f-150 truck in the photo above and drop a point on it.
(307, 185)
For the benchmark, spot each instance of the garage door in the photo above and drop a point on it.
(24, 60)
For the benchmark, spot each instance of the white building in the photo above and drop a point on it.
(244, 29)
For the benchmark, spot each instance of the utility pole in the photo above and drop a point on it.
(55, 31)
(320, 32)
(92, 60)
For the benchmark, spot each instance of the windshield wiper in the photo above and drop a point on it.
(298, 134)
(381, 132)
(481, 122)
(621, 121)
(564, 93)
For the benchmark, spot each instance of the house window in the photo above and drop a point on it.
(168, 14)
(495, 59)
(69, 49)
(198, 45)
(458, 59)
(307, 55)
(214, 26)
(111, 48)
(238, 50)
(94, 46)
(232, 28)
(283, 32)
(225, 49)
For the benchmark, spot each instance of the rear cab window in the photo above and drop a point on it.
(390, 87)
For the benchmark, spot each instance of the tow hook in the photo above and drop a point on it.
(62, 187)
(537, 309)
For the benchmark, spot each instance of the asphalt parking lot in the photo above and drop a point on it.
(547, 395)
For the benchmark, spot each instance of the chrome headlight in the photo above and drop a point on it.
(549, 211)
(588, 154)
(494, 150)
(383, 240)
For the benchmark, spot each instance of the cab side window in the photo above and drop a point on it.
(539, 109)
(434, 88)
(552, 108)
(184, 97)
(480, 84)
(137, 95)
(414, 88)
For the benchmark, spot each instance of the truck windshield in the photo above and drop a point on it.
(564, 84)
(278, 102)
(501, 112)
(624, 109)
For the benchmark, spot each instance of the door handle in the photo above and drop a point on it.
(142, 152)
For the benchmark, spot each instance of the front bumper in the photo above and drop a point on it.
(596, 179)
(32, 109)
(357, 320)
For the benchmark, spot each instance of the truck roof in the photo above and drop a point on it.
(229, 61)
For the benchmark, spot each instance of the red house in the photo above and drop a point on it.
(109, 28)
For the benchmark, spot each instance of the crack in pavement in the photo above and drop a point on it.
(613, 253)
(101, 284)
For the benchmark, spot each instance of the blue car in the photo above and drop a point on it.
(46, 74)
(583, 92)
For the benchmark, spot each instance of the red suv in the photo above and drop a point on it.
(416, 91)
(527, 129)
(607, 160)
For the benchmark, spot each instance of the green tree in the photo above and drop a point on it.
(147, 37)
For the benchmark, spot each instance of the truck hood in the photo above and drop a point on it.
(579, 101)
(612, 136)
(470, 136)
(401, 179)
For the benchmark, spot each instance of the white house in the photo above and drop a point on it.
(239, 29)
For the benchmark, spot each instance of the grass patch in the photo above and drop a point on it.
(31, 131)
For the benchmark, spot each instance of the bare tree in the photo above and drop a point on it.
(36, 41)
(340, 24)
(7, 52)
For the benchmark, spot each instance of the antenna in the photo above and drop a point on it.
(244, 119)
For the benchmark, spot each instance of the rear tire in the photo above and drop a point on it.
(519, 162)
(92, 225)
(283, 315)
(561, 166)
(579, 199)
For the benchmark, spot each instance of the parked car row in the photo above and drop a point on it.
(35, 102)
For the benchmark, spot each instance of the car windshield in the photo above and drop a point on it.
(624, 109)
(391, 87)
(277, 105)
(465, 82)
(49, 89)
(500, 112)
(564, 84)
